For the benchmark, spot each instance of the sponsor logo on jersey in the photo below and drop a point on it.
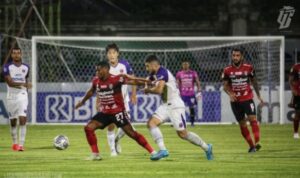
(239, 81)
(18, 79)
(103, 86)
(103, 93)
(160, 77)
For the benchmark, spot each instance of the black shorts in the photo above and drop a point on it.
(240, 109)
(296, 102)
(120, 119)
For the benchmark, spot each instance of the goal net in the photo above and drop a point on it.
(62, 69)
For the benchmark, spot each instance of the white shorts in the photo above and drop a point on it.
(176, 115)
(17, 107)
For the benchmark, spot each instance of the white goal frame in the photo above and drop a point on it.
(36, 39)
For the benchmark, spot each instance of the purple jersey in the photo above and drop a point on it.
(186, 81)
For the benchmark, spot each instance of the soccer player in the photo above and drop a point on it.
(16, 77)
(163, 83)
(119, 67)
(237, 80)
(186, 79)
(294, 81)
(112, 109)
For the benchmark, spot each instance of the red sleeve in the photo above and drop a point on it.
(251, 72)
(95, 81)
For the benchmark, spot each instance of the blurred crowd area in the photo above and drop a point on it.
(26, 18)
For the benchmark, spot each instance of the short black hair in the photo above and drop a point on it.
(185, 60)
(112, 46)
(103, 64)
(237, 49)
(152, 58)
(16, 48)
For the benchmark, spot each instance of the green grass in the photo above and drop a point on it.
(279, 157)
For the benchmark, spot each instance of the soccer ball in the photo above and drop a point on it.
(61, 142)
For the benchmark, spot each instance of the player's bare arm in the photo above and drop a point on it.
(28, 84)
(157, 89)
(178, 82)
(256, 89)
(228, 91)
(198, 84)
(291, 82)
(133, 98)
(97, 102)
(13, 84)
(132, 80)
(87, 96)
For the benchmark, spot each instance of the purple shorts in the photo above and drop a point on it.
(189, 101)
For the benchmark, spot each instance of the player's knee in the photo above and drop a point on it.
(253, 121)
(150, 123)
(252, 118)
(13, 122)
(182, 134)
(111, 127)
(243, 123)
(153, 122)
(86, 128)
(22, 121)
(89, 127)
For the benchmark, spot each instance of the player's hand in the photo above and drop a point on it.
(28, 85)
(79, 104)
(145, 89)
(199, 95)
(261, 101)
(232, 97)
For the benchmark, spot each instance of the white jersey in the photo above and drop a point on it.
(17, 98)
(18, 74)
(171, 94)
(122, 67)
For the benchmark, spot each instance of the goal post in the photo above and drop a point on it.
(62, 68)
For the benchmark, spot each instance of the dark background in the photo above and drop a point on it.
(148, 18)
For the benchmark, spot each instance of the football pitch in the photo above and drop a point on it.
(279, 156)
